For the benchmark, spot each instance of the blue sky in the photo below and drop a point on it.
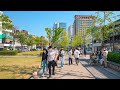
(36, 21)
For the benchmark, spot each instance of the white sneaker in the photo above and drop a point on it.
(61, 67)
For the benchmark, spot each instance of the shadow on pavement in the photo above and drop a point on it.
(98, 69)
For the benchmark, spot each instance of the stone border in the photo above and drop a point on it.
(114, 66)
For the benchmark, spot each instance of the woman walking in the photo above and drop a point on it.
(61, 55)
(44, 60)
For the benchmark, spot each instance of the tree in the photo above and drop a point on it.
(53, 35)
(49, 34)
(108, 16)
(56, 36)
(6, 22)
(64, 40)
(30, 41)
(77, 41)
(41, 41)
(37, 40)
(22, 38)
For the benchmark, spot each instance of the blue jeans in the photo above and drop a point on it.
(45, 66)
(62, 61)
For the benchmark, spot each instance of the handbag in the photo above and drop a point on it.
(54, 63)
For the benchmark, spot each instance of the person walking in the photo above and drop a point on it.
(105, 53)
(70, 57)
(85, 52)
(44, 61)
(76, 55)
(99, 55)
(51, 61)
(61, 55)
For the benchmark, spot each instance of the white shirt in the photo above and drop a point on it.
(51, 55)
(70, 54)
(76, 53)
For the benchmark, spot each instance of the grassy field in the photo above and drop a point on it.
(30, 53)
(18, 68)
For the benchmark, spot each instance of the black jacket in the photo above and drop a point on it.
(44, 56)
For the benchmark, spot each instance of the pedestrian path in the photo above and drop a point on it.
(83, 71)
(99, 72)
(69, 72)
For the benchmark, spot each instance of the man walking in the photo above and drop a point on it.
(76, 55)
(70, 56)
(105, 53)
(51, 61)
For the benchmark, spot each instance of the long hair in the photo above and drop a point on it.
(45, 50)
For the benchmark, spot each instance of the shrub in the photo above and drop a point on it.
(114, 57)
(8, 52)
(18, 51)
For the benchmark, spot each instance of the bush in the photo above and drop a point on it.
(114, 57)
(18, 51)
(33, 50)
(8, 52)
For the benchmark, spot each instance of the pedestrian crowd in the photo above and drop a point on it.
(51, 56)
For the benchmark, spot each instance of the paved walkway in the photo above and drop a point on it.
(83, 71)
(70, 72)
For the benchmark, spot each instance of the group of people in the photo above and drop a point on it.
(101, 56)
(50, 58)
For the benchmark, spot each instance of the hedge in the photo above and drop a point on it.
(8, 52)
(114, 57)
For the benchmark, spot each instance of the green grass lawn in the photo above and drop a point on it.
(18, 68)
(30, 53)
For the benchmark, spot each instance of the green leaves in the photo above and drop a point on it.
(64, 41)
(6, 22)
(22, 38)
(49, 34)
(53, 35)
(77, 40)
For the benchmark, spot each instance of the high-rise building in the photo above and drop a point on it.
(82, 23)
(59, 25)
(70, 30)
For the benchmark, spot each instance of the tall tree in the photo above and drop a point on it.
(6, 22)
(30, 41)
(77, 41)
(64, 40)
(107, 17)
(56, 35)
(22, 38)
(49, 34)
